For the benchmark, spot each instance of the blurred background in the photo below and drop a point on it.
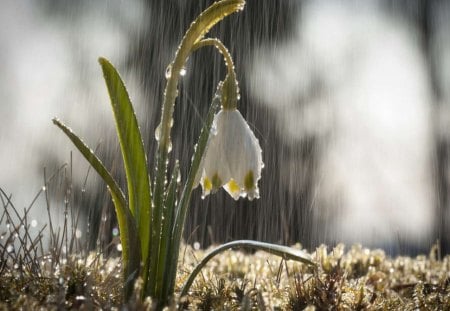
(350, 101)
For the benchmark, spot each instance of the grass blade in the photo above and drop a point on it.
(134, 157)
(128, 232)
(162, 283)
(278, 250)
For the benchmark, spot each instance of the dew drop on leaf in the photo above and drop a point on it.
(158, 132)
(10, 248)
(169, 71)
(183, 72)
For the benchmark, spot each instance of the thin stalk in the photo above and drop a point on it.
(167, 227)
(195, 33)
(221, 97)
(230, 88)
(186, 195)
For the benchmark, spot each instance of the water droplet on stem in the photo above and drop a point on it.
(169, 71)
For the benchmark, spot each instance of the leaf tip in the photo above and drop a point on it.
(102, 60)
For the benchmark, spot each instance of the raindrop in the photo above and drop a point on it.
(115, 231)
(16, 266)
(158, 132)
(213, 130)
(119, 247)
(196, 245)
(34, 223)
(183, 72)
(44, 188)
(78, 233)
(10, 248)
(169, 71)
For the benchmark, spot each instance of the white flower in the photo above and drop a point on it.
(232, 158)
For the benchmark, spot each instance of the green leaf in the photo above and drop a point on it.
(134, 157)
(182, 207)
(128, 232)
(197, 30)
(278, 250)
(166, 234)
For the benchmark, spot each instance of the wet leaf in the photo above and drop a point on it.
(134, 158)
(127, 226)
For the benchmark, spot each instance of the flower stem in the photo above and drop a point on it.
(230, 92)
(195, 33)
(186, 197)
(186, 194)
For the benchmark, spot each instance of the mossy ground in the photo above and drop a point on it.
(356, 279)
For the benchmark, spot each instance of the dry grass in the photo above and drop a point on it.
(358, 279)
(61, 274)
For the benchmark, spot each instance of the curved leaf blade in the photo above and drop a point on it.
(284, 252)
(128, 233)
(133, 153)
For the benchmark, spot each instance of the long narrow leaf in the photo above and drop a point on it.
(166, 235)
(197, 30)
(186, 194)
(128, 233)
(278, 250)
(134, 158)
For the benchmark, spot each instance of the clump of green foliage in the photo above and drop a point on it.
(151, 215)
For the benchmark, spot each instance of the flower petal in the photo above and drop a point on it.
(233, 157)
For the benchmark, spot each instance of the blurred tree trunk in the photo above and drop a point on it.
(425, 20)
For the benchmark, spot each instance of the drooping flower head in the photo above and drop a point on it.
(233, 157)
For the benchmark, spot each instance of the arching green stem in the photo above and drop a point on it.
(278, 250)
(195, 33)
(230, 91)
(195, 166)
